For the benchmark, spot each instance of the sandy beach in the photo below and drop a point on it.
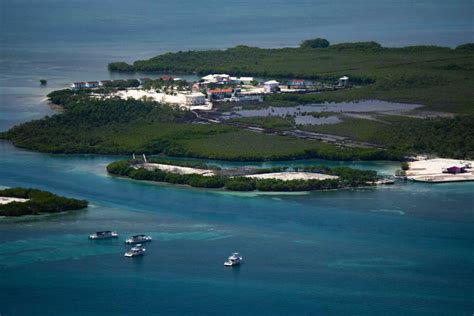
(431, 170)
(176, 169)
(286, 176)
(178, 99)
(7, 200)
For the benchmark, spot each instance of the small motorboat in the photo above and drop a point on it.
(138, 239)
(103, 235)
(136, 251)
(233, 260)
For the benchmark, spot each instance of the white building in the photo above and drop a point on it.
(92, 84)
(242, 80)
(78, 85)
(271, 86)
(343, 81)
(216, 78)
(195, 98)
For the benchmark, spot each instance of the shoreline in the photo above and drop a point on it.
(235, 192)
(440, 170)
(310, 178)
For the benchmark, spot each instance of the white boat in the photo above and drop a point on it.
(103, 235)
(138, 239)
(233, 260)
(136, 251)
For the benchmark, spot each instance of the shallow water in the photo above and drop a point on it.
(302, 116)
(404, 249)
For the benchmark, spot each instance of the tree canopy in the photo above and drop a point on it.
(38, 202)
(315, 43)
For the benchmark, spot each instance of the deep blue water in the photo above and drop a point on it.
(405, 249)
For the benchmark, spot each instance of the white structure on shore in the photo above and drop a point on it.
(271, 86)
(188, 100)
(195, 98)
(438, 170)
(78, 85)
(217, 78)
(343, 81)
(242, 80)
(92, 84)
(7, 200)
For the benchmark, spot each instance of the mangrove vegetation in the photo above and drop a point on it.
(38, 202)
(438, 77)
(114, 126)
(348, 177)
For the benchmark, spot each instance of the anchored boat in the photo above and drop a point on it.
(233, 260)
(136, 251)
(103, 235)
(138, 239)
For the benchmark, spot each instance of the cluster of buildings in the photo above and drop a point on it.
(213, 88)
(87, 84)
(226, 79)
(103, 83)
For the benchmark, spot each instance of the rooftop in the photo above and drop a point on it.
(220, 91)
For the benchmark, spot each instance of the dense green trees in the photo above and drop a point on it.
(315, 43)
(114, 126)
(122, 84)
(240, 184)
(428, 75)
(347, 178)
(39, 202)
(87, 125)
(444, 137)
(122, 67)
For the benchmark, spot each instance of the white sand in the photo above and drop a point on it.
(292, 176)
(6, 200)
(179, 99)
(150, 94)
(431, 170)
(177, 169)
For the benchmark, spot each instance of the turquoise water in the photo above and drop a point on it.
(405, 249)
(399, 250)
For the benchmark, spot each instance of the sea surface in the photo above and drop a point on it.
(406, 249)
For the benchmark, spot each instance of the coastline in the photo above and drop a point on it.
(18, 202)
(282, 179)
(437, 170)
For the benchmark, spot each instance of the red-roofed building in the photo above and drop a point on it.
(78, 85)
(455, 170)
(218, 94)
(92, 84)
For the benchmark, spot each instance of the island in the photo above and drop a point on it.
(200, 175)
(23, 201)
(351, 101)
